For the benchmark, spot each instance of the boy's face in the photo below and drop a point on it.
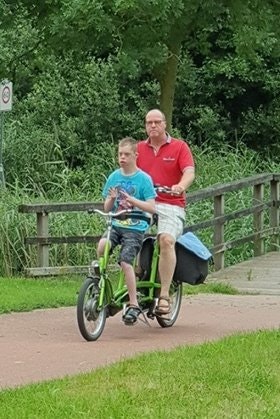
(126, 156)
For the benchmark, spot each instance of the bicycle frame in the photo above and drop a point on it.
(151, 283)
(116, 297)
(99, 298)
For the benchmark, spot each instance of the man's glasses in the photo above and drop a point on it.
(156, 122)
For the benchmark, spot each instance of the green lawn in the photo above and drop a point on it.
(237, 377)
(19, 294)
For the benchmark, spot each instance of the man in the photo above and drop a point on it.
(126, 188)
(169, 162)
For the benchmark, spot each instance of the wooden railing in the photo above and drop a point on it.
(217, 194)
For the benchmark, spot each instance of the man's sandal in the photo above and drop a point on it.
(163, 306)
(131, 314)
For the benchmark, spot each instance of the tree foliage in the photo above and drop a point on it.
(85, 73)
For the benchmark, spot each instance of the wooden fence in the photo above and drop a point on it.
(217, 194)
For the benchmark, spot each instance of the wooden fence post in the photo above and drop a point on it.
(274, 212)
(219, 207)
(43, 231)
(258, 221)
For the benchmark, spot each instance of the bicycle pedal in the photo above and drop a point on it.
(161, 316)
(129, 323)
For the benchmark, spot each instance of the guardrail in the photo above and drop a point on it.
(217, 193)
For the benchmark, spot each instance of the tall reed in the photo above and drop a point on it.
(212, 167)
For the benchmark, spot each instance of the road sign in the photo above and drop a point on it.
(6, 93)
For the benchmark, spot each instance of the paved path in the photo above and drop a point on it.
(46, 344)
(259, 275)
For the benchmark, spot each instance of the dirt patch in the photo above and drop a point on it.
(46, 344)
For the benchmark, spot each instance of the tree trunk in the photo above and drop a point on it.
(167, 82)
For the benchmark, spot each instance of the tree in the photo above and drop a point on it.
(150, 34)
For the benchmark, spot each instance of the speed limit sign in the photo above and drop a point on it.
(6, 93)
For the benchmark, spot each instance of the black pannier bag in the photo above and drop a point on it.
(145, 257)
(192, 260)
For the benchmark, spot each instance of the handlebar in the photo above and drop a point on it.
(122, 214)
(166, 190)
(134, 214)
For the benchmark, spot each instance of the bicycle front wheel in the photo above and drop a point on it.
(169, 319)
(91, 320)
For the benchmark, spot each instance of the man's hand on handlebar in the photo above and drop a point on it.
(170, 190)
(177, 189)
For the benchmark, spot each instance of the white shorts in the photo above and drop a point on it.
(171, 219)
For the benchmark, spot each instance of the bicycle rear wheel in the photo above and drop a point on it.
(91, 321)
(176, 297)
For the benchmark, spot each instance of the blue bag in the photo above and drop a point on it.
(192, 260)
(192, 243)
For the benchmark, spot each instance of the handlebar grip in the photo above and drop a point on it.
(165, 190)
(135, 215)
(123, 215)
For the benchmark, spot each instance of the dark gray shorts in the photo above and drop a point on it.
(130, 242)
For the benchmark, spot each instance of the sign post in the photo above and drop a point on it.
(6, 93)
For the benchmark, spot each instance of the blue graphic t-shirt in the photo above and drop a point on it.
(139, 185)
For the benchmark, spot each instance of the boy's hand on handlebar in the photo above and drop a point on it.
(130, 200)
(113, 193)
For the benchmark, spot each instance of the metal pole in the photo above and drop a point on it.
(2, 178)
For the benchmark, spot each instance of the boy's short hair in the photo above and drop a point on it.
(129, 141)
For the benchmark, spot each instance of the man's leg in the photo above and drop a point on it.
(170, 226)
(167, 262)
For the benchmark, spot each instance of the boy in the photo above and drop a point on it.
(126, 188)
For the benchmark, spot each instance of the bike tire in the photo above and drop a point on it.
(168, 320)
(91, 322)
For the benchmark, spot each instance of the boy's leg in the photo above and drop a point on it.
(131, 244)
(101, 247)
(113, 242)
(130, 282)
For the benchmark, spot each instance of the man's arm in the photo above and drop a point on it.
(185, 181)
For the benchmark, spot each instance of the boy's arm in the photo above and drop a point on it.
(147, 206)
(110, 200)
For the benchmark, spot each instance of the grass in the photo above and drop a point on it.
(211, 288)
(237, 377)
(20, 294)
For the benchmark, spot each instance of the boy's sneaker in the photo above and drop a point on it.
(131, 314)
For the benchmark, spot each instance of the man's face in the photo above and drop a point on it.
(155, 124)
(126, 156)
